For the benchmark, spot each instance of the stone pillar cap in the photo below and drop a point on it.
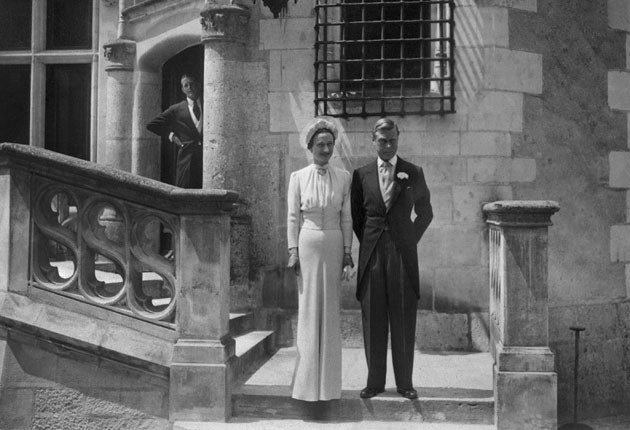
(522, 206)
(520, 213)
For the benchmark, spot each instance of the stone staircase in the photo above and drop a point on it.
(454, 387)
(252, 347)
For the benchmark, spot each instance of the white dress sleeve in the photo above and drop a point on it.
(346, 215)
(293, 211)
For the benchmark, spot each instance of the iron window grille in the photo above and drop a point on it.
(384, 57)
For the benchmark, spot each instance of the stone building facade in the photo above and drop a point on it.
(542, 106)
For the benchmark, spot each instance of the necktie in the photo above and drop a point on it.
(386, 173)
(386, 182)
(197, 111)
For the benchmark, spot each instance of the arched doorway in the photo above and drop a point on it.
(189, 61)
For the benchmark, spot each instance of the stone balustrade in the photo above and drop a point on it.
(525, 384)
(81, 235)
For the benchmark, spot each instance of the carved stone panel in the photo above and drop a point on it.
(120, 54)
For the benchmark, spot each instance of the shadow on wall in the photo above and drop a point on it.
(47, 385)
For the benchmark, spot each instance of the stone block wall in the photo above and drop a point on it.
(467, 157)
(48, 386)
(578, 138)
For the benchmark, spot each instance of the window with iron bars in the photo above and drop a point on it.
(384, 57)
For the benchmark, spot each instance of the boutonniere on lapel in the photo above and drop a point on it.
(402, 176)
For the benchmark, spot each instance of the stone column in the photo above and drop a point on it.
(15, 215)
(200, 372)
(225, 31)
(116, 152)
(525, 384)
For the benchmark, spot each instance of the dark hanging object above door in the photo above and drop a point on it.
(277, 7)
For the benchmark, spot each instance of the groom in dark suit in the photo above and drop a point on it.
(391, 210)
(182, 124)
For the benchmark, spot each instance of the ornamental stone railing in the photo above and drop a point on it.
(525, 384)
(81, 235)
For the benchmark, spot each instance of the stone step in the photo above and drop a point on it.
(251, 350)
(435, 331)
(452, 387)
(288, 424)
(241, 323)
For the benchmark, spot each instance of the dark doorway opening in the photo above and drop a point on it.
(188, 61)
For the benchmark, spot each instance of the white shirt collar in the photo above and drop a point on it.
(392, 161)
(191, 102)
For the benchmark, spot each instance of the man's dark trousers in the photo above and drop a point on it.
(386, 282)
(189, 171)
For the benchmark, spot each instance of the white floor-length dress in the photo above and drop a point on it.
(319, 223)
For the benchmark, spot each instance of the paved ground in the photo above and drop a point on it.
(436, 372)
(609, 423)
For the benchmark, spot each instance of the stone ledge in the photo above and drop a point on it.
(117, 183)
(98, 337)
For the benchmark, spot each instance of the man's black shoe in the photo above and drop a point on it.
(368, 392)
(408, 393)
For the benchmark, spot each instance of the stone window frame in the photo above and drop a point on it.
(437, 81)
(38, 57)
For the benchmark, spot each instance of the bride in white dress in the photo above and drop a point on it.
(319, 233)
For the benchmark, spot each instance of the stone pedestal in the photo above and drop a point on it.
(120, 55)
(200, 381)
(525, 386)
(224, 33)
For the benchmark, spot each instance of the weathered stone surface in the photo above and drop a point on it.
(528, 5)
(501, 170)
(468, 200)
(461, 288)
(200, 393)
(273, 36)
(513, 71)
(525, 400)
(619, 245)
(436, 144)
(498, 111)
(290, 112)
(450, 246)
(495, 29)
(619, 165)
(436, 331)
(619, 15)
(485, 143)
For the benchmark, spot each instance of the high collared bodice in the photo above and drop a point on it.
(319, 201)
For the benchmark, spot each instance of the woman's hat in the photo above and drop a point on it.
(317, 124)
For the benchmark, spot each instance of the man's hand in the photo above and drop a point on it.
(294, 261)
(177, 141)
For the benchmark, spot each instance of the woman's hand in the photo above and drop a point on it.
(294, 261)
(347, 265)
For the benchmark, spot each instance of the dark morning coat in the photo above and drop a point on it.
(370, 216)
(176, 119)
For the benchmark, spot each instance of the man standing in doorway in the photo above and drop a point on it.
(182, 124)
(391, 210)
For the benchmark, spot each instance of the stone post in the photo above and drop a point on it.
(225, 32)
(117, 151)
(525, 384)
(200, 382)
(15, 207)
